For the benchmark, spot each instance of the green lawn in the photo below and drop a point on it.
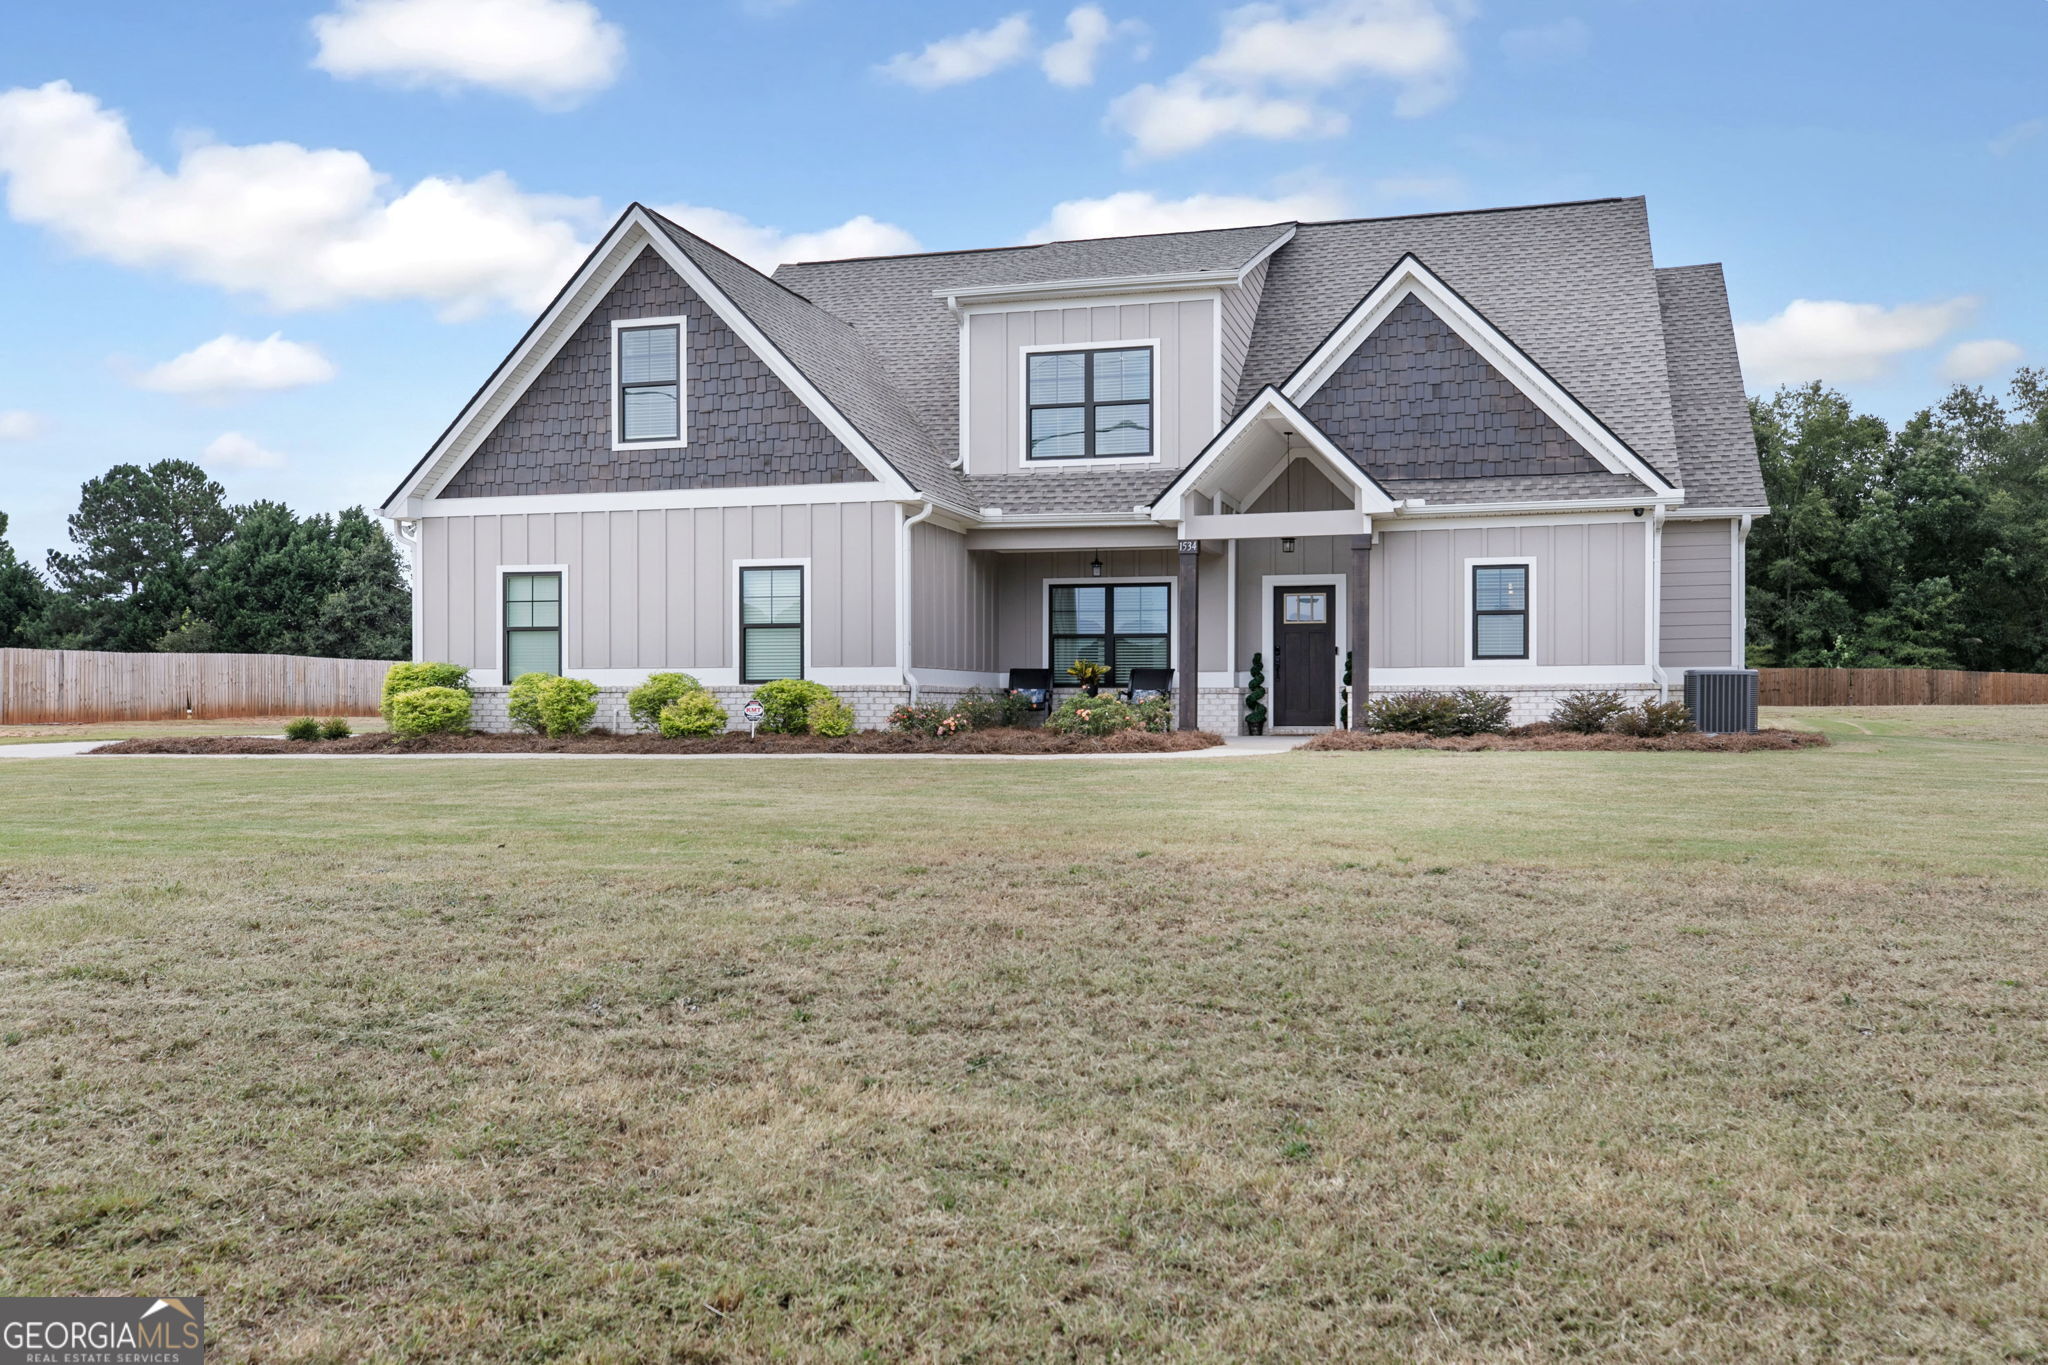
(107, 731)
(1392, 1055)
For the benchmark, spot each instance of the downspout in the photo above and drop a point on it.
(1742, 591)
(903, 598)
(1656, 594)
(409, 536)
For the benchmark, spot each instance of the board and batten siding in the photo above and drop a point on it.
(1022, 640)
(1698, 606)
(1186, 375)
(653, 589)
(953, 602)
(1240, 312)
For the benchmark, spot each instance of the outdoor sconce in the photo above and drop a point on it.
(1287, 545)
(1095, 567)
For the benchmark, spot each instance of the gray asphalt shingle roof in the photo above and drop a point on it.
(1716, 442)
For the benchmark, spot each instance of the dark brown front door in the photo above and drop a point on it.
(1305, 656)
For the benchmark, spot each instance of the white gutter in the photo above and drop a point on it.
(1656, 596)
(903, 599)
(1088, 288)
(1417, 507)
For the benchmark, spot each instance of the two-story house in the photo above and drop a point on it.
(1500, 449)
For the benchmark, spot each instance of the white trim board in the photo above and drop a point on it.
(1411, 278)
(614, 420)
(1268, 582)
(670, 499)
(1522, 675)
(634, 232)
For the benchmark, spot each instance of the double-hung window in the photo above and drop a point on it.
(533, 623)
(1089, 405)
(1500, 611)
(1121, 625)
(771, 624)
(648, 369)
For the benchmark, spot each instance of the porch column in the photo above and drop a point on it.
(1187, 678)
(1358, 594)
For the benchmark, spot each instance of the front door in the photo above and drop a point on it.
(1304, 656)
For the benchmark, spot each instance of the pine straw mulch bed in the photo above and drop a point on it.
(601, 742)
(1548, 737)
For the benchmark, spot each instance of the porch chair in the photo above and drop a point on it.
(1147, 683)
(1034, 684)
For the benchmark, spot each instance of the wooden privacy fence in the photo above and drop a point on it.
(39, 686)
(1898, 687)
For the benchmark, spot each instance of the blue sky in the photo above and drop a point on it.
(391, 187)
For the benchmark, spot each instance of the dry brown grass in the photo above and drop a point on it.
(1399, 1056)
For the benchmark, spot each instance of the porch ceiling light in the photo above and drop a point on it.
(1095, 567)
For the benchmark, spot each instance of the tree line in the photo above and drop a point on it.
(1921, 547)
(160, 561)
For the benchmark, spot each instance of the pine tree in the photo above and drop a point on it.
(24, 599)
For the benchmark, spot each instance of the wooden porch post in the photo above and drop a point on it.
(1358, 594)
(1187, 680)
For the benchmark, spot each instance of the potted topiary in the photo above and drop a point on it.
(1255, 698)
(1089, 674)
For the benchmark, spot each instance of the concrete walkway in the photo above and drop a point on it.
(1236, 746)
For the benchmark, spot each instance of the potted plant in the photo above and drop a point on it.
(1255, 698)
(1089, 674)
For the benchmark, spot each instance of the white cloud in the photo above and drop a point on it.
(2017, 136)
(1071, 60)
(964, 57)
(1271, 63)
(764, 248)
(1972, 362)
(552, 52)
(1140, 211)
(1544, 44)
(233, 450)
(1186, 113)
(1843, 342)
(231, 364)
(298, 227)
(19, 424)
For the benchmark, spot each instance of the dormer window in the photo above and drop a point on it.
(647, 389)
(1090, 404)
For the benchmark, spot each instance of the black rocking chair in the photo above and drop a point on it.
(1147, 683)
(1034, 685)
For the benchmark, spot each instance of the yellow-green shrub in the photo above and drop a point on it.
(692, 714)
(428, 711)
(566, 706)
(522, 702)
(786, 703)
(830, 717)
(407, 677)
(645, 702)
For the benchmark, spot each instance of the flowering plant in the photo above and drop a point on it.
(1088, 673)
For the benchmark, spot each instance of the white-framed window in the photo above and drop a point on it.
(533, 619)
(771, 622)
(1098, 401)
(1117, 623)
(648, 400)
(1497, 607)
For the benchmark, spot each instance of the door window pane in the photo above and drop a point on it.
(1305, 608)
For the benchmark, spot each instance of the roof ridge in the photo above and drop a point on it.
(1040, 246)
(702, 240)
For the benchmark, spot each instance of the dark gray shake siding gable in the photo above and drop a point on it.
(1414, 401)
(745, 427)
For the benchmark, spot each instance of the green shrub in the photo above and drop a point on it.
(334, 727)
(786, 704)
(692, 714)
(979, 710)
(304, 728)
(1095, 716)
(522, 703)
(925, 719)
(429, 711)
(1479, 712)
(567, 706)
(646, 702)
(1155, 714)
(829, 717)
(1654, 718)
(1419, 713)
(407, 677)
(1588, 713)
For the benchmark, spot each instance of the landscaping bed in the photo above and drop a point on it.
(1549, 737)
(997, 741)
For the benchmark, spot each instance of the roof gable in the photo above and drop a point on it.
(1709, 408)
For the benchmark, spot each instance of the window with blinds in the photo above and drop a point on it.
(1122, 625)
(1500, 611)
(649, 370)
(1084, 405)
(533, 624)
(771, 624)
